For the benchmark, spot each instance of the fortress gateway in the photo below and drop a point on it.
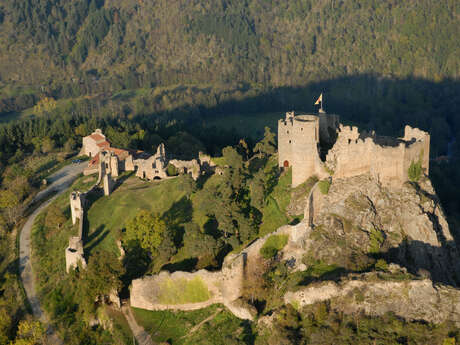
(319, 145)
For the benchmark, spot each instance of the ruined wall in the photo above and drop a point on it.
(187, 167)
(225, 286)
(74, 254)
(354, 154)
(328, 125)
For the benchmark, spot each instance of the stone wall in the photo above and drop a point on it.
(350, 153)
(356, 154)
(225, 286)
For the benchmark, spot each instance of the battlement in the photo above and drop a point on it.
(350, 153)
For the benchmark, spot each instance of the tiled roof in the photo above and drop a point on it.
(97, 137)
(104, 144)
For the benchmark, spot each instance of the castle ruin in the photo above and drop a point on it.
(319, 145)
(109, 162)
(74, 252)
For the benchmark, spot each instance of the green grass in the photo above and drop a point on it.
(121, 329)
(181, 291)
(324, 186)
(274, 212)
(273, 245)
(108, 215)
(175, 327)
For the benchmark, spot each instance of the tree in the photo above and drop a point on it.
(148, 229)
(54, 217)
(47, 145)
(101, 277)
(267, 146)
(30, 333)
(9, 202)
(69, 145)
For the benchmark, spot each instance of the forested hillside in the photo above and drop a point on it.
(74, 47)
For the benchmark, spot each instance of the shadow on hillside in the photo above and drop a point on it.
(425, 260)
(93, 239)
(420, 259)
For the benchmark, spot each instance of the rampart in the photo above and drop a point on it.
(304, 139)
(385, 159)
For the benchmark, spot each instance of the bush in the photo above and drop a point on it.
(381, 265)
(171, 170)
(273, 245)
(415, 171)
(324, 186)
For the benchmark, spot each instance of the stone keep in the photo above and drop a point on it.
(298, 146)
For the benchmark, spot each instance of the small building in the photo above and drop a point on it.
(94, 143)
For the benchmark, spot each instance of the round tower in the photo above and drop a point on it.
(304, 145)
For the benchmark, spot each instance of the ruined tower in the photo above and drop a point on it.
(76, 206)
(298, 146)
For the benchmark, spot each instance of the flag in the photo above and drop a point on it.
(320, 99)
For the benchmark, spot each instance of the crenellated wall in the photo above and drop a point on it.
(356, 154)
(351, 153)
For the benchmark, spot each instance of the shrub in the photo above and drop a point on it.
(415, 171)
(171, 170)
(376, 240)
(273, 245)
(324, 186)
(381, 265)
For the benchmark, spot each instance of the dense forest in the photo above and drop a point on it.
(177, 72)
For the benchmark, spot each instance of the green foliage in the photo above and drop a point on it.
(449, 341)
(376, 239)
(188, 328)
(415, 171)
(381, 265)
(181, 291)
(148, 229)
(324, 186)
(273, 245)
(313, 324)
(54, 217)
(267, 145)
(277, 198)
(171, 170)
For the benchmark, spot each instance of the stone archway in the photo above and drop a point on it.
(286, 164)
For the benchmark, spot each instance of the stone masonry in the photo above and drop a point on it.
(301, 137)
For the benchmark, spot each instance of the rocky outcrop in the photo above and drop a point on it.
(411, 300)
(359, 219)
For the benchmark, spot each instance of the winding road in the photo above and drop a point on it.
(59, 182)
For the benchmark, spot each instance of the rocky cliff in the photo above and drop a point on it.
(359, 220)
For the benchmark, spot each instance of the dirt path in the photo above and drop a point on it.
(196, 327)
(142, 337)
(60, 181)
